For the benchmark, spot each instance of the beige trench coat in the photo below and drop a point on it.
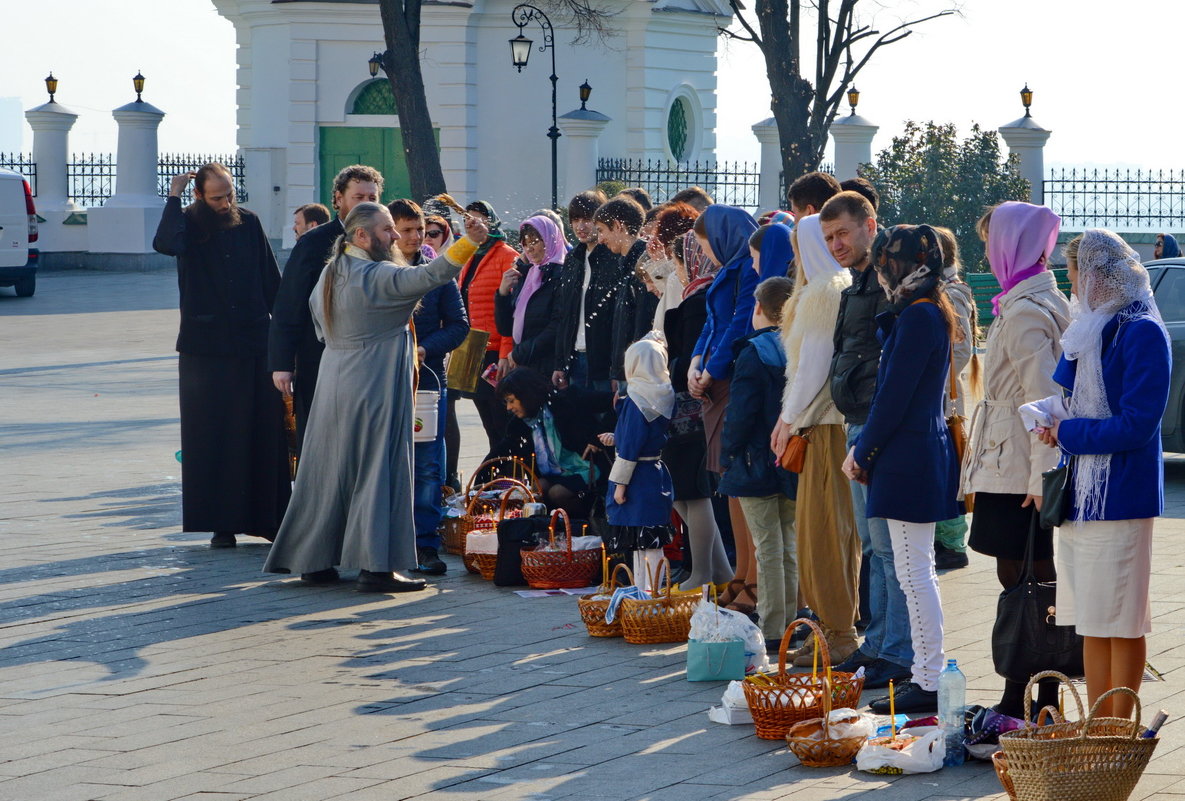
(1023, 349)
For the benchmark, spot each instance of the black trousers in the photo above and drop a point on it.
(234, 451)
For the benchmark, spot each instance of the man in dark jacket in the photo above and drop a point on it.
(293, 350)
(441, 325)
(619, 224)
(587, 291)
(849, 226)
(234, 472)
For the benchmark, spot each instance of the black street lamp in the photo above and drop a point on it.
(138, 85)
(520, 50)
(51, 85)
(1026, 97)
(585, 94)
(377, 61)
(853, 99)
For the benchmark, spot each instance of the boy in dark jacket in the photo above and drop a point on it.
(766, 492)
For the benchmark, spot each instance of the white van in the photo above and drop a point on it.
(18, 232)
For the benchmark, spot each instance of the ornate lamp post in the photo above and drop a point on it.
(1026, 97)
(853, 99)
(520, 51)
(585, 94)
(138, 85)
(51, 86)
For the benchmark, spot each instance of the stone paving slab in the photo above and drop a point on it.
(135, 663)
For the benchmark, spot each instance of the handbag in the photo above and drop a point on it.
(1026, 638)
(715, 661)
(793, 458)
(1056, 495)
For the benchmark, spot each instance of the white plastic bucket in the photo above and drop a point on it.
(426, 417)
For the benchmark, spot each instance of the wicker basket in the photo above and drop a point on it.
(664, 617)
(484, 563)
(1093, 759)
(455, 528)
(554, 570)
(811, 740)
(1000, 763)
(592, 612)
(779, 700)
(485, 516)
(494, 471)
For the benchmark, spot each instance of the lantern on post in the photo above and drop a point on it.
(853, 99)
(1026, 97)
(51, 85)
(138, 85)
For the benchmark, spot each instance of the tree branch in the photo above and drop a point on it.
(753, 35)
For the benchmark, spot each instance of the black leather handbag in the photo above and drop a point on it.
(1026, 638)
(1056, 495)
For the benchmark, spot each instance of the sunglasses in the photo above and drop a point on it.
(435, 232)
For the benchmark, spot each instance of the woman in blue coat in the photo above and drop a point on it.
(640, 493)
(904, 453)
(1117, 364)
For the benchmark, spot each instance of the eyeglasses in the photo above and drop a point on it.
(435, 232)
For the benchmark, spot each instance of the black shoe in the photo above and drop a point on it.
(910, 699)
(454, 481)
(320, 578)
(855, 662)
(388, 582)
(774, 647)
(430, 562)
(223, 539)
(947, 559)
(681, 575)
(880, 672)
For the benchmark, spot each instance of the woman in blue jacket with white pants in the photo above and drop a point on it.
(1116, 363)
(904, 453)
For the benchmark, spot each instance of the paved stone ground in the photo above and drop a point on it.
(138, 665)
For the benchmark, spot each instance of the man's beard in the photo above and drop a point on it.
(210, 221)
(379, 251)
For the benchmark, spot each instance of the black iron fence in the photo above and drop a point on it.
(170, 164)
(731, 183)
(22, 163)
(1117, 198)
(90, 178)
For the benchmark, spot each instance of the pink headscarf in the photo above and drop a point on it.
(700, 269)
(1019, 235)
(555, 249)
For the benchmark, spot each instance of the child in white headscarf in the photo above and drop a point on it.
(640, 495)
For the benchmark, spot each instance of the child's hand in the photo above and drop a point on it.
(619, 493)
(606, 439)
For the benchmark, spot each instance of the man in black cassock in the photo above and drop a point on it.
(234, 469)
(294, 352)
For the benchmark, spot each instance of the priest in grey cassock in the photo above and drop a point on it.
(352, 505)
(235, 477)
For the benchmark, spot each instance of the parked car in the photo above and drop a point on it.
(1168, 283)
(18, 232)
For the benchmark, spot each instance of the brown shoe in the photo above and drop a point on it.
(745, 601)
(837, 650)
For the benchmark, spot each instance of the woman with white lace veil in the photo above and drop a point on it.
(1116, 366)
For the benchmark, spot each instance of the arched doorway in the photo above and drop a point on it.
(370, 136)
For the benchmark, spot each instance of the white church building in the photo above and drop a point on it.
(307, 104)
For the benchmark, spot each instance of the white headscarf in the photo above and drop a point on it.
(648, 383)
(1110, 278)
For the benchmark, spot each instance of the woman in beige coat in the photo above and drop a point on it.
(1004, 462)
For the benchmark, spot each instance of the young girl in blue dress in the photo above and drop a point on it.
(640, 495)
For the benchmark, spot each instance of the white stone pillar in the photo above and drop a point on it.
(127, 222)
(769, 181)
(852, 136)
(1027, 139)
(581, 128)
(51, 124)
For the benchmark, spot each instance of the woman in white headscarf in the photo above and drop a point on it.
(828, 543)
(1116, 365)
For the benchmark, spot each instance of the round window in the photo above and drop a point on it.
(677, 128)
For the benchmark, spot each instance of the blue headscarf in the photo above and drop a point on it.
(729, 229)
(776, 252)
(1171, 249)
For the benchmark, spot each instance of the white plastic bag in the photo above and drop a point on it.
(849, 723)
(734, 707)
(917, 750)
(712, 623)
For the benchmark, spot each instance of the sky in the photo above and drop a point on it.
(1104, 77)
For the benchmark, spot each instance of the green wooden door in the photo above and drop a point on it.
(381, 148)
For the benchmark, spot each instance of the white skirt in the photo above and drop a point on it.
(1103, 570)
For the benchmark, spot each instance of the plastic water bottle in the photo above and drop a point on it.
(952, 704)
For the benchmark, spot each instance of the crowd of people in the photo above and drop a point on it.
(686, 372)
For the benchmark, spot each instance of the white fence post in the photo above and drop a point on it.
(126, 222)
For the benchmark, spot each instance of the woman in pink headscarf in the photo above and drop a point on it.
(1004, 462)
(523, 306)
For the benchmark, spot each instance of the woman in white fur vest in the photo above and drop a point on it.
(828, 543)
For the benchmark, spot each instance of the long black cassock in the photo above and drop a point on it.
(234, 452)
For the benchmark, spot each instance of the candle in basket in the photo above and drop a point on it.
(604, 561)
(815, 661)
(892, 711)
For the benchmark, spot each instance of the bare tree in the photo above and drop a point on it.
(804, 109)
(401, 63)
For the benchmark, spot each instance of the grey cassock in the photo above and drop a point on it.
(352, 503)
